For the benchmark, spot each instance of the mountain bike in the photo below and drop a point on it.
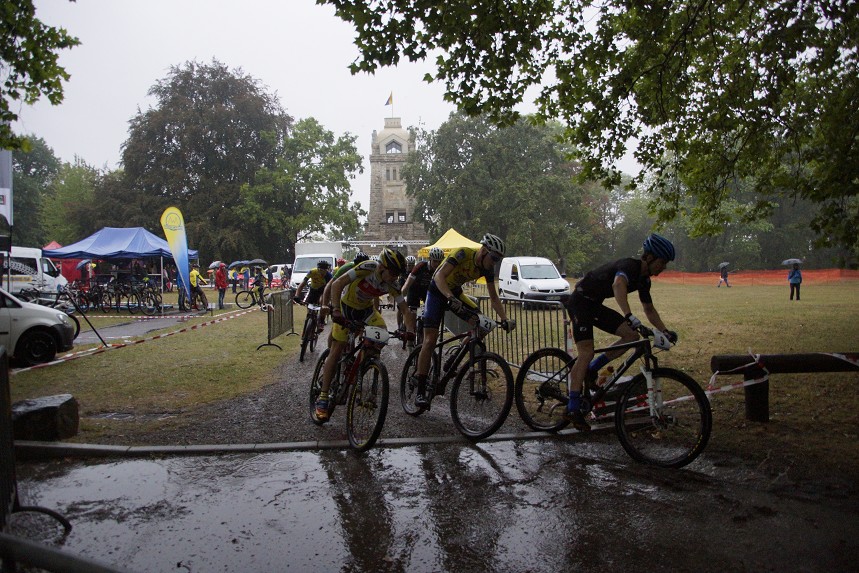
(482, 391)
(250, 297)
(661, 416)
(310, 331)
(360, 382)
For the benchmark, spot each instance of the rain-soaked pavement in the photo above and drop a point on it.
(551, 505)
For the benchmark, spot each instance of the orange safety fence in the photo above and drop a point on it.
(768, 277)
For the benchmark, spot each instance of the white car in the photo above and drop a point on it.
(32, 333)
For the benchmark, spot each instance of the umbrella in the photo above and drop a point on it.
(83, 263)
(215, 264)
(791, 261)
(235, 264)
(257, 262)
(724, 264)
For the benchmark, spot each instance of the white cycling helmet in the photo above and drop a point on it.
(493, 243)
(436, 254)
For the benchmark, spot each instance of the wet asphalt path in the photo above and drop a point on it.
(561, 504)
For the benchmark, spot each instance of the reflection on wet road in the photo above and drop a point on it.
(554, 505)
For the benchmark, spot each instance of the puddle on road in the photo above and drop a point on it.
(550, 505)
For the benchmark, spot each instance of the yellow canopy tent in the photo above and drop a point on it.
(448, 243)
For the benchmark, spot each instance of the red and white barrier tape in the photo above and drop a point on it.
(756, 362)
(74, 356)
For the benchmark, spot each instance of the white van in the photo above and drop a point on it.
(31, 270)
(305, 263)
(531, 279)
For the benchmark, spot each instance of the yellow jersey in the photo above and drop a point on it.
(367, 285)
(465, 269)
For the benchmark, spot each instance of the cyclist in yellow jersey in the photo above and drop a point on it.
(354, 293)
(317, 278)
(445, 292)
(197, 280)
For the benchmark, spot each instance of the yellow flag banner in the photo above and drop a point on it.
(173, 224)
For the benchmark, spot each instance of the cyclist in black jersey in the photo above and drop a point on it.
(418, 281)
(587, 311)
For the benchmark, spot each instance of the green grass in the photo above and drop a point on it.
(211, 363)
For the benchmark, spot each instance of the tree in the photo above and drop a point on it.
(511, 181)
(33, 173)
(28, 65)
(209, 132)
(764, 91)
(68, 210)
(305, 192)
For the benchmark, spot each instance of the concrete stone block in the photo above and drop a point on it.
(49, 418)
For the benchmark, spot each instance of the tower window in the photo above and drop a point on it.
(393, 147)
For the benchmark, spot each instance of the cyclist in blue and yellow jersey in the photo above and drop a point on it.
(586, 309)
(317, 278)
(355, 293)
(445, 292)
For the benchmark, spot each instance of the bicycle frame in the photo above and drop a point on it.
(355, 350)
(447, 369)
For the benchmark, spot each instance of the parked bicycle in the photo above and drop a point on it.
(662, 416)
(482, 391)
(310, 330)
(250, 297)
(360, 382)
(61, 300)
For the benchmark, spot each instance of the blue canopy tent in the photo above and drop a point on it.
(115, 243)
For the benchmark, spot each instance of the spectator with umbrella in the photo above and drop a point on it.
(794, 276)
(723, 274)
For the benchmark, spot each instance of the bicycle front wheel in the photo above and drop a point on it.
(668, 427)
(541, 389)
(306, 334)
(368, 406)
(481, 396)
(245, 299)
(316, 388)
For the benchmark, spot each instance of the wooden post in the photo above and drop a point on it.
(757, 395)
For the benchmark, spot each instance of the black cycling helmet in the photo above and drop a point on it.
(659, 247)
(360, 258)
(323, 264)
(394, 260)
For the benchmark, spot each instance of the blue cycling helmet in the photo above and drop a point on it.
(659, 247)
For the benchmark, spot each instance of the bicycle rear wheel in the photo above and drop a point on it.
(481, 396)
(541, 389)
(408, 388)
(245, 299)
(306, 334)
(368, 405)
(672, 429)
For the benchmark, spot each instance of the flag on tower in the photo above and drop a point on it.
(390, 99)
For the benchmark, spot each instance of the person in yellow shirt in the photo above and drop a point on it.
(354, 294)
(445, 293)
(197, 282)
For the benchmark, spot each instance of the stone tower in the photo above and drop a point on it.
(390, 220)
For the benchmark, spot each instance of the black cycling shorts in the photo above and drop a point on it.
(586, 313)
(313, 295)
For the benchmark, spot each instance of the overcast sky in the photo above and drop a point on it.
(297, 49)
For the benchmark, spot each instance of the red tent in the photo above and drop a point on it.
(67, 266)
